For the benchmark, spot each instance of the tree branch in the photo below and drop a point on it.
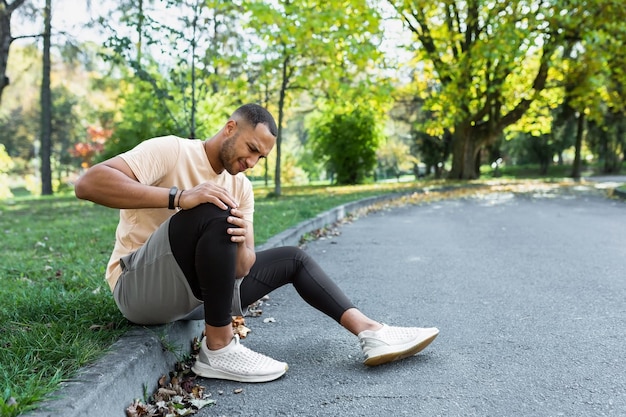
(539, 84)
(424, 35)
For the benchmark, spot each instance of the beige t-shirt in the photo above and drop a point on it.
(165, 162)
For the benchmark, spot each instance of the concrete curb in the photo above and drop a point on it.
(134, 363)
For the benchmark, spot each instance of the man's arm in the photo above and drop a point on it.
(113, 184)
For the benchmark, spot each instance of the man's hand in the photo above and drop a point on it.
(207, 193)
(242, 233)
(239, 232)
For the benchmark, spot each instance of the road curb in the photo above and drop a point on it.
(133, 364)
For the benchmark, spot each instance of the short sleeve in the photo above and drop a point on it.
(153, 159)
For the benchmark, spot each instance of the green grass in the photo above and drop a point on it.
(51, 293)
(532, 171)
(52, 288)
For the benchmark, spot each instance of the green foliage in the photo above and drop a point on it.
(18, 129)
(175, 66)
(146, 114)
(347, 141)
(141, 118)
(6, 165)
(323, 48)
(394, 158)
(67, 126)
(484, 63)
(607, 139)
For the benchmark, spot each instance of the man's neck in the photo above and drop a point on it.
(212, 154)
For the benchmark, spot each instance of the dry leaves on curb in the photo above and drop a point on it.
(178, 396)
(181, 396)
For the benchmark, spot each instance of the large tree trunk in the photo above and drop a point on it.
(464, 153)
(46, 108)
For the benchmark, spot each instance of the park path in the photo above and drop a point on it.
(529, 293)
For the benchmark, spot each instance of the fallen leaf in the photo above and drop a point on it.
(201, 403)
(239, 327)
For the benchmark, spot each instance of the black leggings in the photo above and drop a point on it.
(207, 257)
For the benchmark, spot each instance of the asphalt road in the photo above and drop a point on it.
(528, 291)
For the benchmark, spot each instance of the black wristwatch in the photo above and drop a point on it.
(173, 192)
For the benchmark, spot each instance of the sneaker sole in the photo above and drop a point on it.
(397, 355)
(204, 371)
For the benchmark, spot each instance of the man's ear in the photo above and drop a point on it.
(231, 126)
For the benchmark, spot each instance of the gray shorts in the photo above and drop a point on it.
(153, 289)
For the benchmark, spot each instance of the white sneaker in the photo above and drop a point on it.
(236, 362)
(393, 343)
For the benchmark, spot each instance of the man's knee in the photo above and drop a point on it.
(202, 219)
(208, 210)
(203, 214)
(294, 252)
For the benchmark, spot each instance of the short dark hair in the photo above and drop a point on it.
(255, 114)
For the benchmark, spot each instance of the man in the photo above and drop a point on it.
(185, 246)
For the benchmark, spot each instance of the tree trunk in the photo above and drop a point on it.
(5, 44)
(281, 111)
(192, 121)
(464, 153)
(277, 185)
(46, 108)
(6, 39)
(579, 144)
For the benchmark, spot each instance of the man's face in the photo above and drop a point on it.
(245, 147)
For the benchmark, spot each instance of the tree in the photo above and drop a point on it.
(312, 46)
(182, 60)
(431, 147)
(347, 140)
(394, 157)
(6, 11)
(595, 77)
(490, 60)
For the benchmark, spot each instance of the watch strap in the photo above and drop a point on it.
(173, 192)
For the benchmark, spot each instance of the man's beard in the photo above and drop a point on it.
(227, 154)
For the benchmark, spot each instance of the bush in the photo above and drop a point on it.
(347, 142)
